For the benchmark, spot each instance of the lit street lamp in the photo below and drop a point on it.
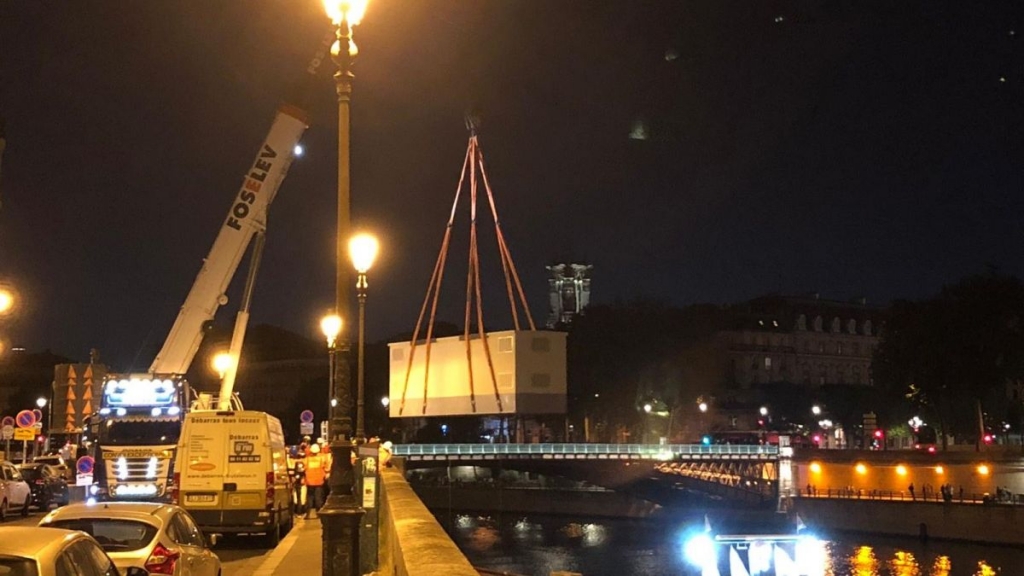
(648, 408)
(703, 407)
(341, 517)
(363, 249)
(816, 410)
(221, 363)
(331, 326)
(385, 402)
(6, 300)
(763, 411)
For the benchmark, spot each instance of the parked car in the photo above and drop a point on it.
(15, 494)
(27, 551)
(47, 484)
(67, 470)
(158, 538)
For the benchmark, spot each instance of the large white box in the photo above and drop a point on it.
(529, 367)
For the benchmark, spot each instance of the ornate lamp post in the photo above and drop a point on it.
(341, 514)
(363, 248)
(331, 326)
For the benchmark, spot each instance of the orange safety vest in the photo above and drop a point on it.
(316, 470)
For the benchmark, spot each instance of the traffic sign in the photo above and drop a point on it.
(38, 414)
(25, 419)
(7, 421)
(7, 432)
(306, 428)
(306, 417)
(25, 434)
(85, 464)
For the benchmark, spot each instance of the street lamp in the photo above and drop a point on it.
(703, 407)
(221, 363)
(341, 516)
(6, 300)
(385, 402)
(816, 410)
(648, 408)
(331, 325)
(41, 402)
(763, 411)
(363, 249)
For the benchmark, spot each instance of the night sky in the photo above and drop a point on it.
(853, 149)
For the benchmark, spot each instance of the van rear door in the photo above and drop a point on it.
(203, 462)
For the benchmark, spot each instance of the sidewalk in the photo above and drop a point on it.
(298, 552)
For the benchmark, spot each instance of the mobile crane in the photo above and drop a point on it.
(139, 422)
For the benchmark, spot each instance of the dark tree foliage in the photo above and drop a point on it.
(623, 355)
(950, 353)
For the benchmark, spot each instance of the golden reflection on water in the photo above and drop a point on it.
(941, 566)
(863, 562)
(904, 564)
(985, 570)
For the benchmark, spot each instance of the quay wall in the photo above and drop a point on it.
(981, 523)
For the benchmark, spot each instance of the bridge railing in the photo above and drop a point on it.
(655, 450)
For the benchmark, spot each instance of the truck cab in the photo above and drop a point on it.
(136, 434)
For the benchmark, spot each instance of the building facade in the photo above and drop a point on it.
(801, 340)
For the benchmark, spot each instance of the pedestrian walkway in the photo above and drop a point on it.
(298, 552)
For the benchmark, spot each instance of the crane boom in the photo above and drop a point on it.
(246, 217)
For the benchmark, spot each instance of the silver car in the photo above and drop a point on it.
(15, 493)
(26, 551)
(157, 538)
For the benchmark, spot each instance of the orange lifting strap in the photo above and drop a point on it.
(474, 159)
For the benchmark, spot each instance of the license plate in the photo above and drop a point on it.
(200, 498)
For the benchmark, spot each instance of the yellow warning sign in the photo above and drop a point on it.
(24, 434)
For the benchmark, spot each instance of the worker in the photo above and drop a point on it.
(316, 477)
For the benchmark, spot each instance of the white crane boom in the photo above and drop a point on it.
(246, 217)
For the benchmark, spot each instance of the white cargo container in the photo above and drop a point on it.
(529, 367)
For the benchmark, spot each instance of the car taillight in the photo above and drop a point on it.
(176, 482)
(161, 561)
(270, 489)
(37, 482)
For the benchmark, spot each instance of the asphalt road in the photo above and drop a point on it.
(239, 556)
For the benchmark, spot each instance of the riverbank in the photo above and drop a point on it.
(976, 523)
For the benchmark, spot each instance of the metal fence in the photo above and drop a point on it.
(651, 450)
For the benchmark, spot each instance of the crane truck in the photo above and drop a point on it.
(137, 428)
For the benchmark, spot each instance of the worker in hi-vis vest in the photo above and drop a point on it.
(316, 477)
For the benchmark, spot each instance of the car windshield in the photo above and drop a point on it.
(13, 566)
(30, 472)
(140, 433)
(113, 535)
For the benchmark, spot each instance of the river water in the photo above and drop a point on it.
(539, 545)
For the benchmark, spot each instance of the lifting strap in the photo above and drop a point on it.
(474, 158)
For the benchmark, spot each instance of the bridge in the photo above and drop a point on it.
(744, 472)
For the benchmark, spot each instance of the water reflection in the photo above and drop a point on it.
(539, 545)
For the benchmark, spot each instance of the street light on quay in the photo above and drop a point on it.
(363, 249)
(703, 407)
(221, 363)
(331, 325)
(763, 411)
(6, 301)
(341, 516)
(816, 410)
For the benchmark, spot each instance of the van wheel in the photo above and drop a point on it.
(24, 508)
(274, 536)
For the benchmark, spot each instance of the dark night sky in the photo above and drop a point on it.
(850, 149)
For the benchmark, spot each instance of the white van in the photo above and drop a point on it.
(230, 473)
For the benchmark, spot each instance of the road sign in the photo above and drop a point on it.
(7, 432)
(85, 465)
(25, 419)
(25, 434)
(38, 414)
(306, 417)
(306, 428)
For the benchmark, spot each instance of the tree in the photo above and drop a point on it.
(946, 355)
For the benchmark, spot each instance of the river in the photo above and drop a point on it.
(539, 545)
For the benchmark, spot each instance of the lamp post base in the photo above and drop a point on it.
(341, 517)
(340, 534)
